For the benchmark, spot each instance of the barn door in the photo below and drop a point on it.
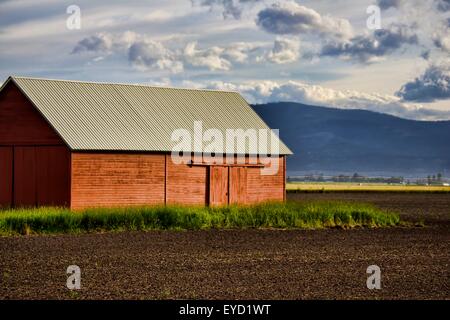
(52, 176)
(218, 186)
(25, 177)
(6, 178)
(41, 176)
(238, 185)
(227, 185)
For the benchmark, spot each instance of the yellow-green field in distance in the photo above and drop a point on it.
(348, 186)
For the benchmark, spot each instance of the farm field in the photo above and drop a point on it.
(363, 187)
(243, 264)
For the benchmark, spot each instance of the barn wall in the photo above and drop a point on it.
(108, 179)
(21, 123)
(266, 188)
(186, 184)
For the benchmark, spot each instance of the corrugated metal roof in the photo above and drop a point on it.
(128, 117)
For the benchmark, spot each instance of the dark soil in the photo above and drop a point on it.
(428, 207)
(242, 264)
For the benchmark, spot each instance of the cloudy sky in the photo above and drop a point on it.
(318, 52)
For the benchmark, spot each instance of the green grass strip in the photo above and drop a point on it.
(307, 215)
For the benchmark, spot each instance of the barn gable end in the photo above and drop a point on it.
(21, 123)
(34, 160)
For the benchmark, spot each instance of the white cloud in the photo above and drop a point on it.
(443, 5)
(142, 52)
(386, 4)
(147, 54)
(294, 91)
(292, 18)
(230, 8)
(240, 52)
(35, 41)
(103, 42)
(441, 35)
(153, 54)
(221, 57)
(442, 42)
(371, 47)
(210, 58)
(433, 84)
(284, 50)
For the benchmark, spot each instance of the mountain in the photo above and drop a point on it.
(334, 141)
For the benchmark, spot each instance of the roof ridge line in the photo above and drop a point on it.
(124, 84)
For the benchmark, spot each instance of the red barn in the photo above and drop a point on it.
(82, 144)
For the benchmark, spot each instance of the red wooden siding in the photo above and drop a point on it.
(21, 123)
(25, 176)
(108, 180)
(41, 176)
(268, 187)
(186, 184)
(6, 169)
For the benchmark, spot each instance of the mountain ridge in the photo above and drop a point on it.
(334, 141)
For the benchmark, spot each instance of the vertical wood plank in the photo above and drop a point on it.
(24, 177)
(6, 176)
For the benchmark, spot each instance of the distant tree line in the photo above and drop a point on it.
(436, 179)
(360, 179)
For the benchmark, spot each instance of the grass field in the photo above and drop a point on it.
(364, 187)
(308, 215)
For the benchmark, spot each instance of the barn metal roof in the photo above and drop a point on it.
(129, 117)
